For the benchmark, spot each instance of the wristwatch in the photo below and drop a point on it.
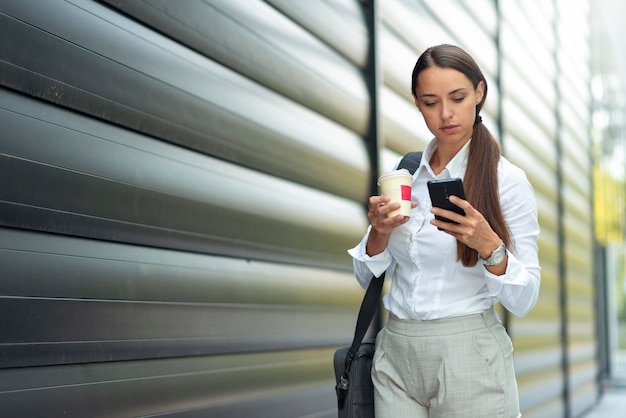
(496, 256)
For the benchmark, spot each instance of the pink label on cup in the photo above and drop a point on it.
(406, 192)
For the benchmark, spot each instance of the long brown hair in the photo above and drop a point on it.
(481, 178)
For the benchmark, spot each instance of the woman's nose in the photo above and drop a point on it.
(446, 112)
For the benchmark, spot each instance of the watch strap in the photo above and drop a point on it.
(496, 255)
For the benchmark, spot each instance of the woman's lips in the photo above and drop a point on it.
(448, 129)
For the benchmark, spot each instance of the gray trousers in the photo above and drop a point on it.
(445, 368)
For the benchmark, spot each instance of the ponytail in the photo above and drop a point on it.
(481, 188)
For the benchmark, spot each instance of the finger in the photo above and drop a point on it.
(463, 204)
(448, 214)
(378, 200)
(387, 224)
(388, 208)
(396, 221)
(378, 213)
(444, 226)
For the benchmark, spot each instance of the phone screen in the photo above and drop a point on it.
(440, 192)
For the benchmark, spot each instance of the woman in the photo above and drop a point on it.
(443, 352)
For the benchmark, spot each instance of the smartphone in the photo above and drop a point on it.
(440, 192)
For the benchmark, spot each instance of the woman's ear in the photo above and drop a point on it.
(480, 91)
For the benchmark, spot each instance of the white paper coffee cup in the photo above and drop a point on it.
(397, 185)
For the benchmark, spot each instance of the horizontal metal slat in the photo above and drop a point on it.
(102, 270)
(270, 46)
(69, 174)
(39, 331)
(63, 202)
(172, 93)
(231, 384)
(339, 23)
(94, 301)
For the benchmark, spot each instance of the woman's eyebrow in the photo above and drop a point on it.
(459, 90)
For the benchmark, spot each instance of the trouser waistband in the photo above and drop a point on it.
(443, 326)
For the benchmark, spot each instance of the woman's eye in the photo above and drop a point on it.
(458, 99)
(430, 104)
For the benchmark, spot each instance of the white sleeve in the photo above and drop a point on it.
(518, 288)
(366, 267)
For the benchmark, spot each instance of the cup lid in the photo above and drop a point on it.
(403, 172)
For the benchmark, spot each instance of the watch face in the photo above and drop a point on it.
(498, 256)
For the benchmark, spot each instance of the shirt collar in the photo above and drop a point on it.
(457, 165)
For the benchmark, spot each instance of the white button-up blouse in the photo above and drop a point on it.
(427, 280)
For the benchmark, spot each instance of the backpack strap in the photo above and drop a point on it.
(411, 161)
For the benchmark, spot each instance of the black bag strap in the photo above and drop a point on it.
(369, 306)
(371, 300)
(411, 162)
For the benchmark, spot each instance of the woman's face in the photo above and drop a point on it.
(447, 100)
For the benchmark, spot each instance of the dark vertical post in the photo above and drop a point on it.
(602, 315)
(371, 76)
(600, 277)
(562, 273)
(506, 317)
(499, 121)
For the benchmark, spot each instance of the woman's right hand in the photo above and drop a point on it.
(377, 209)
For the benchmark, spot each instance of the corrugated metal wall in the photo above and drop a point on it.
(180, 182)
(546, 102)
(574, 116)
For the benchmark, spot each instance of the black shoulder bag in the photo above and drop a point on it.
(354, 387)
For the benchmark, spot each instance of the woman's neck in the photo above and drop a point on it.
(442, 156)
(436, 163)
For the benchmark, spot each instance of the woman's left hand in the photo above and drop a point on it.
(472, 229)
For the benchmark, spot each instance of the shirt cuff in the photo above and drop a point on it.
(364, 264)
(514, 275)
